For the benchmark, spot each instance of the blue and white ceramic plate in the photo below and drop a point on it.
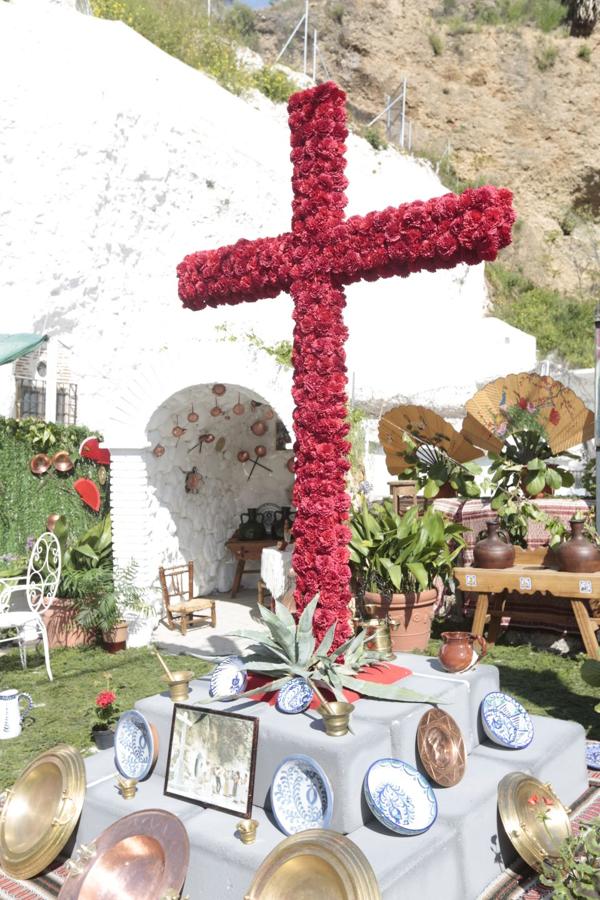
(136, 745)
(229, 677)
(295, 696)
(592, 754)
(505, 721)
(400, 797)
(301, 795)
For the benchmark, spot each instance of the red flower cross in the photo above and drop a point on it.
(313, 262)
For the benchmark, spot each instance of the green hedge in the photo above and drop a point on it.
(26, 500)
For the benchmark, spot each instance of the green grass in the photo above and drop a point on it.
(545, 683)
(68, 714)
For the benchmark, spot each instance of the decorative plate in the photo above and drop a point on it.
(535, 820)
(441, 748)
(228, 678)
(400, 797)
(145, 854)
(136, 745)
(301, 795)
(592, 754)
(505, 721)
(295, 696)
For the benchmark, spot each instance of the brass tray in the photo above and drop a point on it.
(41, 810)
(141, 856)
(316, 864)
(534, 819)
(441, 748)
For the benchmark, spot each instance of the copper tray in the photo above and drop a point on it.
(142, 856)
(316, 864)
(441, 748)
(534, 819)
(41, 810)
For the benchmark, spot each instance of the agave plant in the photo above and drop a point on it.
(289, 650)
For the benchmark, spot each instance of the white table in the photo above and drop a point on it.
(276, 571)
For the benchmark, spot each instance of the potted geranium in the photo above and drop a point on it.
(395, 561)
(106, 712)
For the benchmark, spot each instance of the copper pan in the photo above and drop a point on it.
(143, 855)
(441, 748)
(62, 462)
(40, 464)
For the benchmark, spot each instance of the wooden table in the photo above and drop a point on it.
(529, 577)
(246, 551)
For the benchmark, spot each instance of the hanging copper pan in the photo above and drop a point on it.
(219, 389)
(259, 428)
(39, 464)
(239, 409)
(243, 456)
(193, 415)
(158, 451)
(260, 451)
(62, 462)
(268, 413)
(290, 465)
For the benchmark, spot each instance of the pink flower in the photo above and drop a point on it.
(105, 698)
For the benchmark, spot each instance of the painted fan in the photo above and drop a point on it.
(527, 402)
(429, 430)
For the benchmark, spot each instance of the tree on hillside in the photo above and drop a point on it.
(583, 15)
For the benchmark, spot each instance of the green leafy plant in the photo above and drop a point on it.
(374, 138)
(575, 872)
(336, 11)
(546, 56)
(401, 554)
(432, 468)
(436, 43)
(289, 650)
(106, 708)
(274, 84)
(585, 53)
(515, 513)
(109, 601)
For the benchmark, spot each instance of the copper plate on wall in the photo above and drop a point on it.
(535, 820)
(441, 748)
(41, 810)
(316, 864)
(140, 856)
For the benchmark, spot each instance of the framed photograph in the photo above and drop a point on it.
(212, 758)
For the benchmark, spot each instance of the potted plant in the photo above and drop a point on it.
(437, 474)
(106, 713)
(105, 612)
(395, 561)
(575, 871)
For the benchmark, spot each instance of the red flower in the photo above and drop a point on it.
(105, 698)
(533, 800)
(554, 416)
(548, 801)
(522, 402)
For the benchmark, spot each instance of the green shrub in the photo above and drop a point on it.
(585, 53)
(436, 43)
(560, 324)
(374, 138)
(274, 84)
(240, 19)
(336, 11)
(545, 56)
(546, 15)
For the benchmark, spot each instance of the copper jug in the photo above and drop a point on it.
(456, 653)
(492, 552)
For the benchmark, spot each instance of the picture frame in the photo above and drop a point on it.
(212, 758)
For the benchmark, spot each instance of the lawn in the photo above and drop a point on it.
(64, 707)
(546, 684)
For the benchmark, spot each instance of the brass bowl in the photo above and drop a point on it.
(534, 839)
(62, 462)
(179, 688)
(143, 855)
(40, 464)
(41, 810)
(441, 748)
(317, 864)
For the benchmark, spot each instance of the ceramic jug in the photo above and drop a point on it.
(577, 554)
(492, 552)
(251, 526)
(456, 653)
(10, 713)
(279, 522)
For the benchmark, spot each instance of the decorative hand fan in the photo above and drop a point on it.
(527, 402)
(428, 428)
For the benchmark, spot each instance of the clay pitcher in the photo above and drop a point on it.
(492, 552)
(456, 653)
(577, 554)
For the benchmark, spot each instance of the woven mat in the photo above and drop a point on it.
(518, 883)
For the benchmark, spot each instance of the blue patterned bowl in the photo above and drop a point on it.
(505, 721)
(592, 754)
(136, 745)
(228, 678)
(301, 795)
(400, 797)
(295, 696)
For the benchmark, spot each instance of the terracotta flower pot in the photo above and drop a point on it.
(115, 639)
(62, 628)
(410, 617)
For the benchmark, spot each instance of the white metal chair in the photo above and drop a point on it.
(39, 589)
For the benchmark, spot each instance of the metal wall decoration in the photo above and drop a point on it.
(158, 451)
(216, 410)
(239, 409)
(206, 438)
(193, 416)
(218, 389)
(259, 428)
(178, 431)
(193, 481)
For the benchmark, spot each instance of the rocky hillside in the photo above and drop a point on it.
(507, 103)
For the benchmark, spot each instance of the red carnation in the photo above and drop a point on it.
(105, 698)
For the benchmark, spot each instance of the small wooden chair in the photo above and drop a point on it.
(177, 583)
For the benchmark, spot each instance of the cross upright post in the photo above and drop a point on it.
(323, 252)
